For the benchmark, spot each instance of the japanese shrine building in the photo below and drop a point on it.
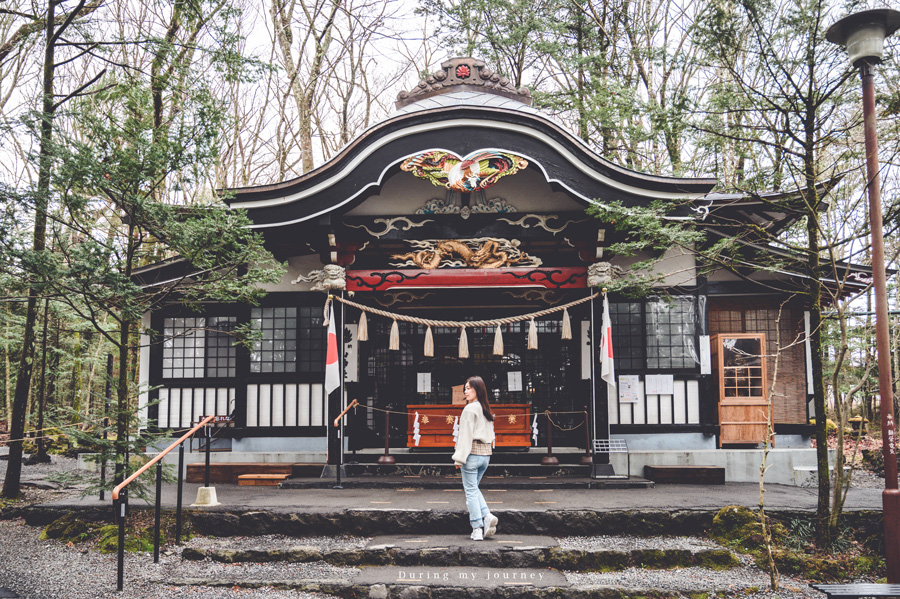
(467, 204)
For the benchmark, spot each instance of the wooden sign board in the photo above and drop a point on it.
(459, 397)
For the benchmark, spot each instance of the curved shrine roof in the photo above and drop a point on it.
(462, 109)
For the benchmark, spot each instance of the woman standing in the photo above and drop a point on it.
(473, 454)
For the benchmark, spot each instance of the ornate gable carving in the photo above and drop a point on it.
(463, 73)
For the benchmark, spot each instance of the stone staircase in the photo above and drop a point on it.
(393, 559)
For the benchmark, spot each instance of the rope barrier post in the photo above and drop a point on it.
(340, 464)
(208, 443)
(157, 512)
(122, 507)
(549, 459)
(387, 458)
(178, 501)
(587, 459)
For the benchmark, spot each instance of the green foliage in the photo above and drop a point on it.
(649, 232)
(830, 426)
(739, 527)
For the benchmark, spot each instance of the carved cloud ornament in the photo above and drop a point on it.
(330, 278)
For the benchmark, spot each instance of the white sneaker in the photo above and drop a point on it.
(490, 525)
(477, 534)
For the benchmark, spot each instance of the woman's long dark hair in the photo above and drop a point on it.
(477, 383)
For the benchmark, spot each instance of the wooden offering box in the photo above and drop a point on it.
(512, 425)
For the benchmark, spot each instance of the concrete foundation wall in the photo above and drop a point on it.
(785, 466)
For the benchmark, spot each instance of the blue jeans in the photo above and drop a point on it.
(472, 471)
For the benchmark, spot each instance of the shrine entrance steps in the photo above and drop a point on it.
(435, 470)
(441, 562)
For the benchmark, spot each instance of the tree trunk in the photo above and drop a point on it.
(12, 482)
(42, 392)
(823, 511)
(123, 409)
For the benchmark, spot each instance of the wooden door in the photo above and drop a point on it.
(742, 387)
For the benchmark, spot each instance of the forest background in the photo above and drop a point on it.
(117, 118)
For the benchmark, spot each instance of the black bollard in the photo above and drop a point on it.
(549, 459)
(387, 458)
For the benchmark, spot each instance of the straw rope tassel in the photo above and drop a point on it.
(429, 343)
(362, 333)
(498, 340)
(395, 337)
(463, 344)
(566, 325)
(532, 335)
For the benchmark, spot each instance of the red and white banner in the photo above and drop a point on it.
(607, 368)
(332, 367)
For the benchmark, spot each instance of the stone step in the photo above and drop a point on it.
(447, 519)
(501, 589)
(567, 455)
(454, 481)
(497, 468)
(500, 552)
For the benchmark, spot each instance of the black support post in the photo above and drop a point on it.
(157, 512)
(178, 501)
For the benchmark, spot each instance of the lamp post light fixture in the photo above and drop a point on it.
(863, 36)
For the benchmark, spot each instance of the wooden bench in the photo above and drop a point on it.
(260, 480)
(227, 473)
(858, 590)
(685, 475)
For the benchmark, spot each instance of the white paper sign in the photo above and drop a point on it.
(705, 359)
(659, 384)
(628, 388)
(514, 380)
(423, 382)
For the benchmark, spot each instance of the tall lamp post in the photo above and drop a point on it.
(863, 35)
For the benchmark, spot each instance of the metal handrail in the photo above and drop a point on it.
(120, 497)
(162, 454)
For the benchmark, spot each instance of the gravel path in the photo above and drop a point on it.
(604, 543)
(48, 569)
(38, 569)
(695, 579)
(278, 543)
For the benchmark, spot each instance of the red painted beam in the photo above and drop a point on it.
(449, 278)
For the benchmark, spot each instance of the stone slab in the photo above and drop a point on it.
(455, 576)
(499, 541)
(7, 594)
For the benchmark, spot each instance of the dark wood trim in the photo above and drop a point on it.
(807, 430)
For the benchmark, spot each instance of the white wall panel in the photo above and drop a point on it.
(265, 405)
(317, 406)
(290, 405)
(680, 402)
(252, 405)
(693, 402)
(652, 403)
(278, 407)
(303, 406)
(163, 408)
